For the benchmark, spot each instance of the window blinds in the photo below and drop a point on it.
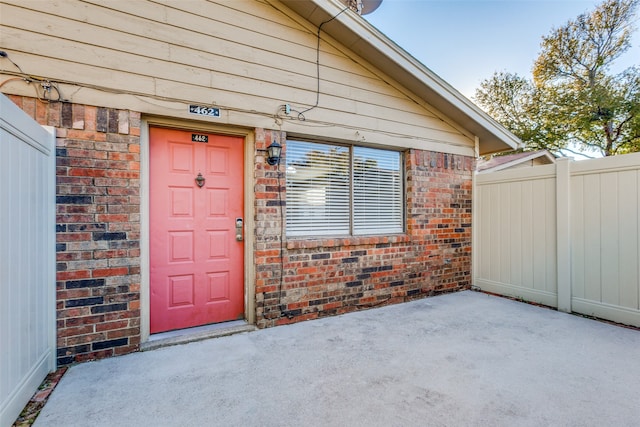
(338, 190)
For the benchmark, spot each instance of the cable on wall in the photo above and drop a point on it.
(34, 81)
(4, 54)
(48, 84)
(301, 116)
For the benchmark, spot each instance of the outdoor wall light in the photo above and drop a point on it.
(273, 153)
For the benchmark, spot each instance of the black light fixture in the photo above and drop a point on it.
(273, 153)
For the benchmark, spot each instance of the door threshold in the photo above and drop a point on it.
(198, 333)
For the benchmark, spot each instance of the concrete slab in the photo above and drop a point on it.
(464, 359)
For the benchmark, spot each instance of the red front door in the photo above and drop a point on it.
(196, 261)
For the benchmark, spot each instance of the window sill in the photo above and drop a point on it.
(330, 242)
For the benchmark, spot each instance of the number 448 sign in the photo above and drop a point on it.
(203, 110)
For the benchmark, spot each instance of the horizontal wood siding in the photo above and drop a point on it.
(246, 57)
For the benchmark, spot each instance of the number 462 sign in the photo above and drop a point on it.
(203, 110)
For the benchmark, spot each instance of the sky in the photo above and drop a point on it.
(466, 41)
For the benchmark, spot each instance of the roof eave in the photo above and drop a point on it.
(534, 155)
(367, 41)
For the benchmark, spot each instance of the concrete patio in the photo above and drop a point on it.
(464, 359)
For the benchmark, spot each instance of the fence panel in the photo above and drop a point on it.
(27, 258)
(564, 235)
(515, 233)
(605, 236)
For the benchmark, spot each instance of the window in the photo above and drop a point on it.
(340, 190)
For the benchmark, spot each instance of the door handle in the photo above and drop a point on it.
(239, 230)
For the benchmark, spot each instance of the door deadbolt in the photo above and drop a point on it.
(239, 230)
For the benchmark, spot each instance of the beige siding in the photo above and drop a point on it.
(246, 57)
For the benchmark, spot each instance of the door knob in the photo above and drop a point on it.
(200, 180)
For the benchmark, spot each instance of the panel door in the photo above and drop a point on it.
(196, 261)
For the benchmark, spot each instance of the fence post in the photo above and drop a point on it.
(563, 232)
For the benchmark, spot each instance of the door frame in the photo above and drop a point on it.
(249, 197)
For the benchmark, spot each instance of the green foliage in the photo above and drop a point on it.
(522, 108)
(572, 99)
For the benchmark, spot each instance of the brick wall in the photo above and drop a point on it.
(322, 277)
(98, 237)
(98, 227)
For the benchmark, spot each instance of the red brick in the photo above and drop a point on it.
(402, 261)
(105, 164)
(87, 172)
(84, 320)
(125, 349)
(71, 275)
(85, 357)
(72, 293)
(72, 237)
(78, 330)
(106, 272)
(112, 218)
(29, 106)
(121, 333)
(85, 339)
(106, 326)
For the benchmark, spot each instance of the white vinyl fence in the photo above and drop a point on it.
(564, 235)
(27, 258)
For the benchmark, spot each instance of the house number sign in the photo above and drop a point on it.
(203, 110)
(197, 137)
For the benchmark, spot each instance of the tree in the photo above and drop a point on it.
(572, 99)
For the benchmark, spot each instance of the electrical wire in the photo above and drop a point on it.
(49, 83)
(4, 54)
(46, 91)
(301, 116)
(46, 84)
(11, 80)
(29, 79)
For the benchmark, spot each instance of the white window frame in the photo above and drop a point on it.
(387, 211)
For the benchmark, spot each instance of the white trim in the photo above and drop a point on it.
(51, 243)
(534, 155)
(144, 233)
(249, 227)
